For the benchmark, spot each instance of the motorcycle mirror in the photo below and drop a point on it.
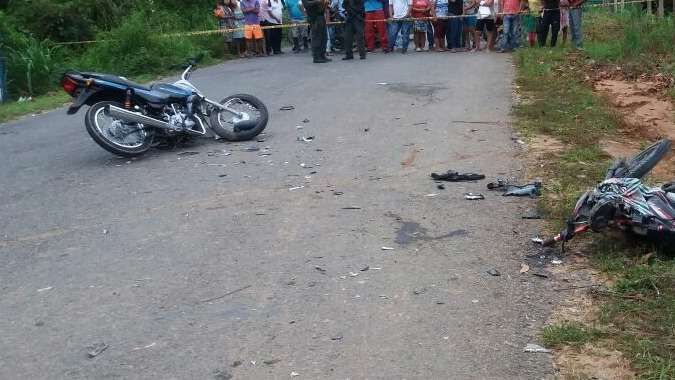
(245, 125)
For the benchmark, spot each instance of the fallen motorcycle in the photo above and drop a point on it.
(128, 118)
(622, 201)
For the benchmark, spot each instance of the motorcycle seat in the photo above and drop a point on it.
(118, 80)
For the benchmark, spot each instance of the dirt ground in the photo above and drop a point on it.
(647, 115)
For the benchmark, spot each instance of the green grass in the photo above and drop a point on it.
(12, 110)
(569, 334)
(638, 313)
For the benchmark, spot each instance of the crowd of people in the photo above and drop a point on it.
(254, 27)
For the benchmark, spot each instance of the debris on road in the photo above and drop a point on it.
(236, 363)
(153, 344)
(351, 208)
(287, 108)
(431, 195)
(305, 121)
(531, 189)
(337, 337)
(532, 214)
(296, 188)
(306, 139)
(271, 361)
(537, 240)
(421, 123)
(294, 374)
(353, 274)
(419, 291)
(252, 148)
(453, 176)
(105, 232)
(364, 269)
(187, 153)
(221, 374)
(494, 272)
(382, 83)
(524, 268)
(96, 349)
(227, 294)
(387, 248)
(474, 196)
(542, 275)
(531, 347)
(322, 270)
(556, 262)
(45, 289)
(440, 186)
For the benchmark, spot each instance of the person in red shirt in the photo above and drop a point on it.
(511, 11)
(420, 8)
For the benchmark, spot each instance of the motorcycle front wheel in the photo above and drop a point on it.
(114, 135)
(642, 163)
(250, 109)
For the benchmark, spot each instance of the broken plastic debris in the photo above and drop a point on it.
(537, 240)
(453, 176)
(556, 262)
(524, 268)
(306, 139)
(365, 268)
(294, 374)
(319, 269)
(431, 195)
(45, 289)
(287, 108)
(531, 347)
(387, 248)
(473, 196)
(494, 272)
(296, 188)
(96, 349)
(351, 208)
(382, 83)
(353, 274)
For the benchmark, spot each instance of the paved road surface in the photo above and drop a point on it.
(95, 248)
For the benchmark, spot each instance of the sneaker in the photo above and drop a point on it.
(347, 58)
(418, 50)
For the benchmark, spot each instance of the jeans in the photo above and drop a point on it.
(317, 24)
(397, 27)
(551, 18)
(511, 37)
(575, 27)
(454, 32)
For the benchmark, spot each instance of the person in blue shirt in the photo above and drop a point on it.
(377, 11)
(298, 33)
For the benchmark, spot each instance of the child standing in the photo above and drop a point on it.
(252, 30)
(225, 17)
(299, 33)
(530, 25)
(238, 34)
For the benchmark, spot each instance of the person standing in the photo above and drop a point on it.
(469, 22)
(575, 22)
(455, 27)
(252, 31)
(271, 15)
(400, 11)
(226, 22)
(316, 15)
(564, 19)
(354, 24)
(297, 16)
(530, 24)
(511, 37)
(238, 34)
(420, 9)
(486, 20)
(550, 19)
(440, 10)
(375, 23)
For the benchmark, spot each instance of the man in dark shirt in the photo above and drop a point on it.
(550, 18)
(453, 32)
(354, 24)
(317, 22)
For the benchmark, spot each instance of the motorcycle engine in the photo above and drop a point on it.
(179, 121)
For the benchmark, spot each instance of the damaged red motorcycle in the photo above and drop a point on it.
(623, 202)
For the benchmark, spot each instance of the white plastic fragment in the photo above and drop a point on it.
(531, 347)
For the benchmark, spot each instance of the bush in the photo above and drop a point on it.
(135, 47)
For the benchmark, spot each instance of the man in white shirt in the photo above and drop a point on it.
(400, 10)
(271, 15)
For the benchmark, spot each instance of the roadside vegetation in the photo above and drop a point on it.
(31, 33)
(637, 313)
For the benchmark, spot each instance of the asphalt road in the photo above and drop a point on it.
(135, 254)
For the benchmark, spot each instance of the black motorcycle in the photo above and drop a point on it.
(128, 118)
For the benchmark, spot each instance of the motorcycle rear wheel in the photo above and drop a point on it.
(642, 163)
(122, 139)
(222, 122)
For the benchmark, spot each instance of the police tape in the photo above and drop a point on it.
(389, 20)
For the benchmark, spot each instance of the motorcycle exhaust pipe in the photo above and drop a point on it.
(134, 117)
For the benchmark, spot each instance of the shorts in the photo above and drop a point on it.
(299, 31)
(470, 21)
(420, 26)
(488, 23)
(253, 32)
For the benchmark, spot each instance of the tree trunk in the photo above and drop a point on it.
(661, 10)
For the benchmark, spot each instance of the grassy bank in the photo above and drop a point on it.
(637, 315)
